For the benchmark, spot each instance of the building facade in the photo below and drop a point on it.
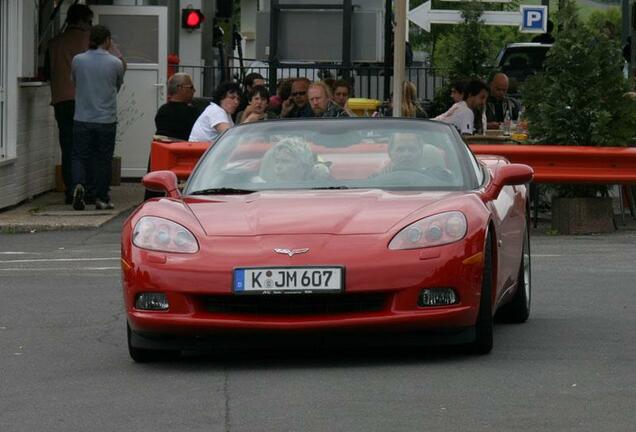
(28, 142)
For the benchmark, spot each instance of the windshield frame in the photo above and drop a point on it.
(467, 160)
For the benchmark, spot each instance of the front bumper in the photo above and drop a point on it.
(397, 276)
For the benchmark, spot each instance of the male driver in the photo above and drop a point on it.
(297, 106)
(498, 103)
(175, 118)
(408, 153)
(98, 76)
(62, 49)
(463, 118)
(321, 103)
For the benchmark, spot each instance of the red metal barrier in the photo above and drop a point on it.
(178, 157)
(551, 164)
(570, 164)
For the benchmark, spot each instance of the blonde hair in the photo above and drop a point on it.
(322, 85)
(409, 100)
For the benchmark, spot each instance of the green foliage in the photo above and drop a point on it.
(608, 21)
(580, 98)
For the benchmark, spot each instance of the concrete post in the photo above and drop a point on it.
(399, 43)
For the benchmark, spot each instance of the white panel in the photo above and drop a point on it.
(136, 108)
(141, 33)
(9, 54)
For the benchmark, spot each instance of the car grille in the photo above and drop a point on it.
(292, 304)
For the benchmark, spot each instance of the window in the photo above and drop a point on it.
(8, 78)
(3, 55)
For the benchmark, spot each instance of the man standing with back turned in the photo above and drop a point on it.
(62, 49)
(98, 76)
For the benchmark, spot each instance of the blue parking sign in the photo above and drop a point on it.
(534, 19)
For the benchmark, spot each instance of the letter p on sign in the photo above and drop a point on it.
(534, 19)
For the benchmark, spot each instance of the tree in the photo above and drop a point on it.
(580, 98)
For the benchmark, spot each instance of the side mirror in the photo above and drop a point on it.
(162, 181)
(507, 175)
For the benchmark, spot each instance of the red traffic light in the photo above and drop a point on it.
(191, 18)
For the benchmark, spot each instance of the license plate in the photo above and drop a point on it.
(283, 280)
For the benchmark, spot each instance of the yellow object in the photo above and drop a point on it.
(363, 107)
(519, 136)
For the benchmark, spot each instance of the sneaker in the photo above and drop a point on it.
(78, 197)
(102, 205)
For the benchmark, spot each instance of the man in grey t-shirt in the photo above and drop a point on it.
(98, 76)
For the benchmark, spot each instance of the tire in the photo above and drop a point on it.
(143, 355)
(484, 326)
(518, 310)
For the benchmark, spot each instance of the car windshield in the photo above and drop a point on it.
(521, 62)
(335, 154)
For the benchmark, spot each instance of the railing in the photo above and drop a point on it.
(551, 164)
(368, 80)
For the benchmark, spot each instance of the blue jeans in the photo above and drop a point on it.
(93, 147)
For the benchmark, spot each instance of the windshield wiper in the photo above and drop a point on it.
(222, 191)
(330, 187)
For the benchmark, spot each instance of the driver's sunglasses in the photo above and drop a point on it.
(302, 93)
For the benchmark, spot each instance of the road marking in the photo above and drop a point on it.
(19, 253)
(60, 269)
(59, 260)
(544, 255)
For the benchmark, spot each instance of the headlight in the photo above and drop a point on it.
(163, 235)
(435, 230)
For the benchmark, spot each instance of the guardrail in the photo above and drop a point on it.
(570, 164)
(551, 163)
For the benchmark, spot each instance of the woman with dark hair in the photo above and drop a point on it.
(257, 108)
(217, 117)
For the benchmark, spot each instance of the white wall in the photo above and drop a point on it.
(28, 165)
(33, 170)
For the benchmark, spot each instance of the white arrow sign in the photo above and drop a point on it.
(423, 16)
(483, 1)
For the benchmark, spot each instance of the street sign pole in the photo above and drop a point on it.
(399, 45)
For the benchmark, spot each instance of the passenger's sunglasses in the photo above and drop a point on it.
(299, 94)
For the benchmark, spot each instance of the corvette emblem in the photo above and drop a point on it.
(291, 252)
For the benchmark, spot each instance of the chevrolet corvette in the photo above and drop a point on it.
(348, 228)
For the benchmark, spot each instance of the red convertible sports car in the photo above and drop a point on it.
(351, 228)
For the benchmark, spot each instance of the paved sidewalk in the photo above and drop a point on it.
(47, 211)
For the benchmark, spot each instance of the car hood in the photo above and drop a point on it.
(308, 212)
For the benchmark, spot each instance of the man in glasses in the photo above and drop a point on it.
(175, 118)
(297, 106)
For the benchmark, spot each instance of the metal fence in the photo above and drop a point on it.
(367, 81)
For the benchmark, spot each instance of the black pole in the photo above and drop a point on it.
(347, 15)
(388, 35)
(273, 45)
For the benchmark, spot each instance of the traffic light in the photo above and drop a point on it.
(191, 19)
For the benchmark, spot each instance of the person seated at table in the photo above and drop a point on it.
(457, 95)
(257, 108)
(217, 117)
(463, 116)
(175, 118)
(499, 102)
(290, 160)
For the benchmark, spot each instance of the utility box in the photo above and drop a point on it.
(316, 35)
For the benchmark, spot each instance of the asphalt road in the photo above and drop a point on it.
(64, 364)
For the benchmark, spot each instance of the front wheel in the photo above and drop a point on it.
(518, 310)
(143, 355)
(484, 326)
